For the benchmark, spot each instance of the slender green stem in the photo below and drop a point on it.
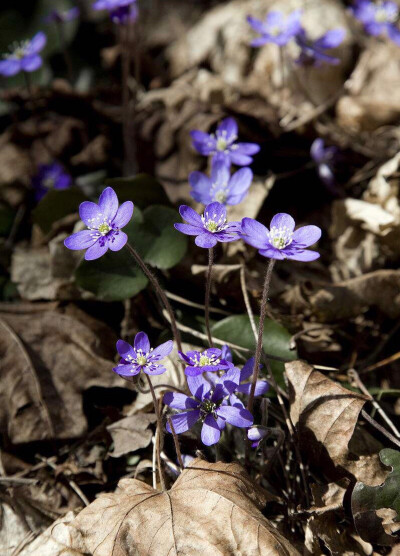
(160, 433)
(207, 297)
(160, 292)
(176, 442)
(263, 312)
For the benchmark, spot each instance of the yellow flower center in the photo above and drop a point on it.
(141, 360)
(104, 228)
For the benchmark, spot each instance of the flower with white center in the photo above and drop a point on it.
(104, 222)
(222, 145)
(221, 187)
(276, 27)
(281, 241)
(378, 18)
(207, 361)
(24, 56)
(141, 357)
(209, 228)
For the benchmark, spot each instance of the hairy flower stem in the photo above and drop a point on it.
(160, 434)
(207, 297)
(259, 348)
(176, 442)
(160, 292)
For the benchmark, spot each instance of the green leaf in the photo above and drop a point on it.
(55, 205)
(113, 277)
(143, 190)
(366, 500)
(155, 237)
(276, 338)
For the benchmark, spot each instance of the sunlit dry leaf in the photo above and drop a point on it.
(325, 415)
(212, 509)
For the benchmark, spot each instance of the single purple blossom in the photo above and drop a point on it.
(222, 145)
(141, 357)
(50, 176)
(324, 158)
(221, 187)
(104, 222)
(281, 241)
(208, 405)
(244, 385)
(378, 18)
(256, 434)
(209, 228)
(23, 56)
(276, 27)
(209, 360)
(121, 11)
(62, 16)
(313, 53)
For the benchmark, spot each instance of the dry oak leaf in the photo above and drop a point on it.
(212, 509)
(325, 415)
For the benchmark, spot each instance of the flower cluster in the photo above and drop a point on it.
(23, 56)
(378, 19)
(215, 399)
(224, 150)
(280, 29)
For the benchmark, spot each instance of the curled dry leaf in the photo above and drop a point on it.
(325, 415)
(376, 509)
(47, 360)
(212, 509)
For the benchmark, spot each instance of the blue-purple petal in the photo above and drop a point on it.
(142, 342)
(182, 422)
(179, 401)
(210, 432)
(236, 416)
(124, 214)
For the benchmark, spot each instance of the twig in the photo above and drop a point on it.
(71, 483)
(247, 300)
(159, 433)
(195, 305)
(380, 428)
(354, 375)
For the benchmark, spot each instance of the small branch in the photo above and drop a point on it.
(159, 433)
(380, 428)
(247, 300)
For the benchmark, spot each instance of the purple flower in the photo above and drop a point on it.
(24, 56)
(244, 385)
(378, 19)
(209, 406)
(276, 27)
(141, 357)
(200, 362)
(209, 228)
(256, 434)
(50, 176)
(313, 53)
(221, 187)
(281, 241)
(222, 145)
(59, 16)
(324, 159)
(121, 11)
(104, 222)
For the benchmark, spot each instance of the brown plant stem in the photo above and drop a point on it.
(159, 435)
(207, 296)
(176, 442)
(160, 292)
(67, 57)
(259, 348)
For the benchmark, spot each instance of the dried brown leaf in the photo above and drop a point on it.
(131, 433)
(47, 360)
(325, 415)
(212, 509)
